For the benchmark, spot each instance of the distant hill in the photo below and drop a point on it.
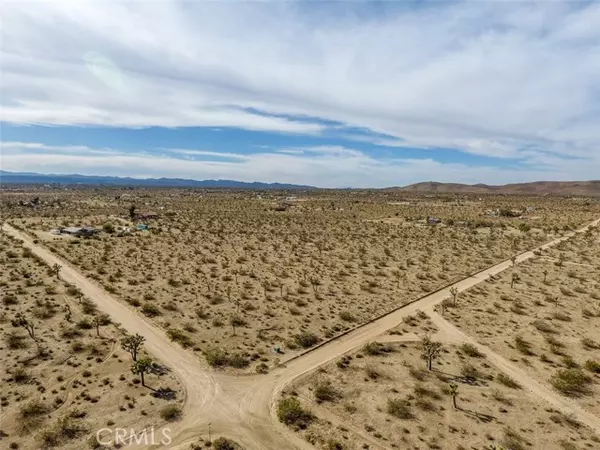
(567, 188)
(38, 178)
(584, 188)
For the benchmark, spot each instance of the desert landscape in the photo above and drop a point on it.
(309, 308)
(66, 370)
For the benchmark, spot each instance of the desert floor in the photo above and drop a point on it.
(231, 279)
(66, 379)
(548, 321)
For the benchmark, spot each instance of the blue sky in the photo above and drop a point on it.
(363, 94)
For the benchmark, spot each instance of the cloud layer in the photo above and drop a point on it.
(516, 80)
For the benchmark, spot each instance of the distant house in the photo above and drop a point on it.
(146, 216)
(79, 231)
(433, 220)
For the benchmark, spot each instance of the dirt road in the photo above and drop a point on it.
(242, 408)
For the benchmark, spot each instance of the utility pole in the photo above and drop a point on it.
(209, 424)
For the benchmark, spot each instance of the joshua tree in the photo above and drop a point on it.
(545, 272)
(79, 295)
(454, 293)
(513, 260)
(265, 286)
(453, 392)
(208, 285)
(399, 276)
(141, 367)
(132, 212)
(315, 284)
(431, 350)
(132, 344)
(67, 312)
(96, 322)
(56, 270)
(21, 321)
(561, 260)
(514, 279)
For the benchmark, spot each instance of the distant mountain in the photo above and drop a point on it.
(38, 178)
(584, 188)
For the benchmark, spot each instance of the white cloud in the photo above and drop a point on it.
(489, 78)
(332, 169)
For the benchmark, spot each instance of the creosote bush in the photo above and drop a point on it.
(291, 413)
(171, 413)
(399, 408)
(306, 339)
(573, 382)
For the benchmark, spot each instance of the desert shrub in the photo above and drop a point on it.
(376, 348)
(523, 346)
(418, 374)
(470, 373)
(325, 392)
(180, 337)
(399, 408)
(421, 391)
(570, 362)
(291, 413)
(262, 368)
(21, 376)
(10, 299)
(589, 343)
(306, 339)
(237, 361)
(559, 315)
(108, 228)
(238, 321)
(372, 372)
(150, 310)
(507, 381)
(332, 444)
(33, 409)
(347, 316)
(225, 444)
(70, 333)
(85, 324)
(16, 341)
(216, 357)
(170, 413)
(69, 428)
(87, 306)
(572, 382)
(513, 440)
(592, 366)
(543, 326)
(470, 350)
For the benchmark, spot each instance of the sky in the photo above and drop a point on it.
(330, 94)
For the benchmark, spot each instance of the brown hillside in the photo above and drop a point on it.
(579, 188)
